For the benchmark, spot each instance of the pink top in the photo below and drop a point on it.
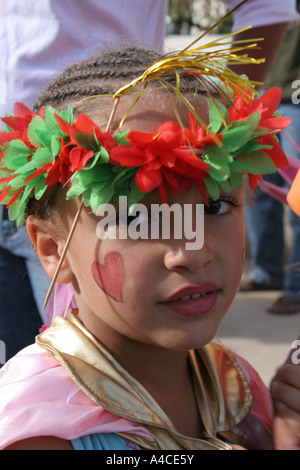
(34, 391)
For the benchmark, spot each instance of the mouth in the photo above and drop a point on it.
(193, 300)
(190, 297)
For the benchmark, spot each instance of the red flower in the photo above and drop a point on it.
(85, 127)
(69, 160)
(18, 123)
(197, 135)
(160, 157)
(276, 153)
(266, 104)
(253, 180)
(76, 151)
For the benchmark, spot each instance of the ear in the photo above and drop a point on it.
(48, 246)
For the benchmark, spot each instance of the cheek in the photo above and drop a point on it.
(238, 252)
(110, 275)
(233, 246)
(243, 255)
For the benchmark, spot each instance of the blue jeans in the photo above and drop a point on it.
(23, 287)
(265, 225)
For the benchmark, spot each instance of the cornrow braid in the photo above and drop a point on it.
(97, 76)
(104, 74)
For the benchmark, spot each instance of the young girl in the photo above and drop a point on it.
(134, 365)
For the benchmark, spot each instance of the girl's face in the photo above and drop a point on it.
(156, 291)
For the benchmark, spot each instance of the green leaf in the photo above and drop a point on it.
(50, 121)
(97, 178)
(212, 187)
(240, 166)
(16, 211)
(55, 145)
(121, 138)
(19, 146)
(104, 155)
(40, 187)
(40, 158)
(225, 185)
(44, 137)
(100, 195)
(92, 162)
(236, 138)
(134, 195)
(36, 131)
(253, 146)
(252, 121)
(217, 157)
(236, 179)
(77, 187)
(260, 161)
(67, 114)
(220, 174)
(218, 160)
(87, 141)
(14, 160)
(217, 115)
(18, 182)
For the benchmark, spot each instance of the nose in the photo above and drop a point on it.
(178, 257)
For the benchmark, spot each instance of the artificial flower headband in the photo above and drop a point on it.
(41, 150)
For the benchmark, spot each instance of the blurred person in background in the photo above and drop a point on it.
(265, 217)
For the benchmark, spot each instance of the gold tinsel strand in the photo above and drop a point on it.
(210, 63)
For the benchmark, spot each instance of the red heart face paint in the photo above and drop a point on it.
(110, 275)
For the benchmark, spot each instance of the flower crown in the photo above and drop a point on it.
(38, 151)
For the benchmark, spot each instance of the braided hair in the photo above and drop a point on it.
(100, 75)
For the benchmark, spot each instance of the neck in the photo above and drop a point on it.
(167, 377)
(145, 362)
(152, 366)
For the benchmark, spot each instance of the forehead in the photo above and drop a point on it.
(152, 109)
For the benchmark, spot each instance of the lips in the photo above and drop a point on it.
(193, 300)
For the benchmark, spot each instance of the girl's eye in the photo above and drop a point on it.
(220, 207)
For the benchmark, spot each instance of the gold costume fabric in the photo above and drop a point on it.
(223, 393)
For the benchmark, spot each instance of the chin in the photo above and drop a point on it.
(187, 342)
